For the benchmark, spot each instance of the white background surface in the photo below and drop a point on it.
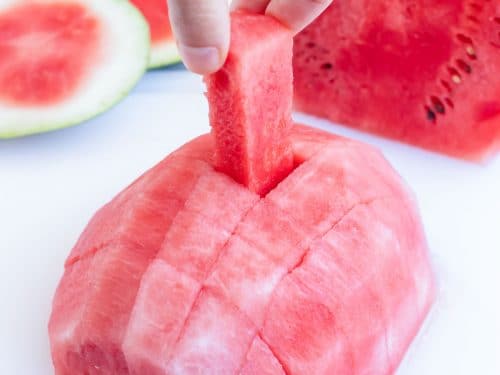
(51, 184)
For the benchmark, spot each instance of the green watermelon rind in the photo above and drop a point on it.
(143, 41)
(164, 54)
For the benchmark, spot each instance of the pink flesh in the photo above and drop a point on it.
(215, 339)
(145, 209)
(156, 13)
(329, 282)
(350, 315)
(191, 247)
(123, 237)
(89, 321)
(261, 361)
(290, 220)
(250, 103)
(47, 50)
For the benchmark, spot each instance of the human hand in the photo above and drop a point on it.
(201, 27)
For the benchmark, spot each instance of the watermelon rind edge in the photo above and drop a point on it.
(142, 33)
(164, 54)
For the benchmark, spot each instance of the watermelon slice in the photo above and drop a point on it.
(188, 271)
(163, 47)
(423, 72)
(66, 61)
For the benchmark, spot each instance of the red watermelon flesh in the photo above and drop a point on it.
(70, 29)
(423, 72)
(156, 13)
(63, 62)
(251, 134)
(301, 281)
(163, 46)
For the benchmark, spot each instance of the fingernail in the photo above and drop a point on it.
(200, 60)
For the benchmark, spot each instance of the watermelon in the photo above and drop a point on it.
(251, 133)
(163, 46)
(190, 271)
(66, 61)
(187, 271)
(422, 72)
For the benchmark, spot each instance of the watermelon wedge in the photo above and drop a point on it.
(422, 72)
(65, 61)
(189, 271)
(163, 48)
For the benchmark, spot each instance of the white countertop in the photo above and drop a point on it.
(51, 184)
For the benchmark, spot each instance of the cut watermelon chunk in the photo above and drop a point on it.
(423, 72)
(251, 134)
(163, 47)
(66, 61)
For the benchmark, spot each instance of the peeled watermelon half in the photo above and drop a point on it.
(420, 71)
(188, 271)
(65, 61)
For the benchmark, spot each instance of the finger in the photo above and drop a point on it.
(254, 6)
(296, 14)
(201, 28)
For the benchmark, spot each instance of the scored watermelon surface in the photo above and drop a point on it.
(163, 47)
(66, 61)
(328, 273)
(424, 72)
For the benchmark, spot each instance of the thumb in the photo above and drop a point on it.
(201, 28)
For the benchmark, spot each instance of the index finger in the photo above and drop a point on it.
(201, 28)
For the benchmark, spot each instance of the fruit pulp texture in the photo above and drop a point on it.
(156, 13)
(47, 50)
(423, 72)
(251, 102)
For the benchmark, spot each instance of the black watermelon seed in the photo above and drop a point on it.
(464, 66)
(438, 105)
(473, 19)
(431, 116)
(326, 66)
(476, 7)
(464, 39)
(446, 85)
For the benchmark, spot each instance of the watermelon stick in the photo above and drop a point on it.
(250, 101)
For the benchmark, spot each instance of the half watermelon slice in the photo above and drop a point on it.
(66, 61)
(163, 48)
(422, 72)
